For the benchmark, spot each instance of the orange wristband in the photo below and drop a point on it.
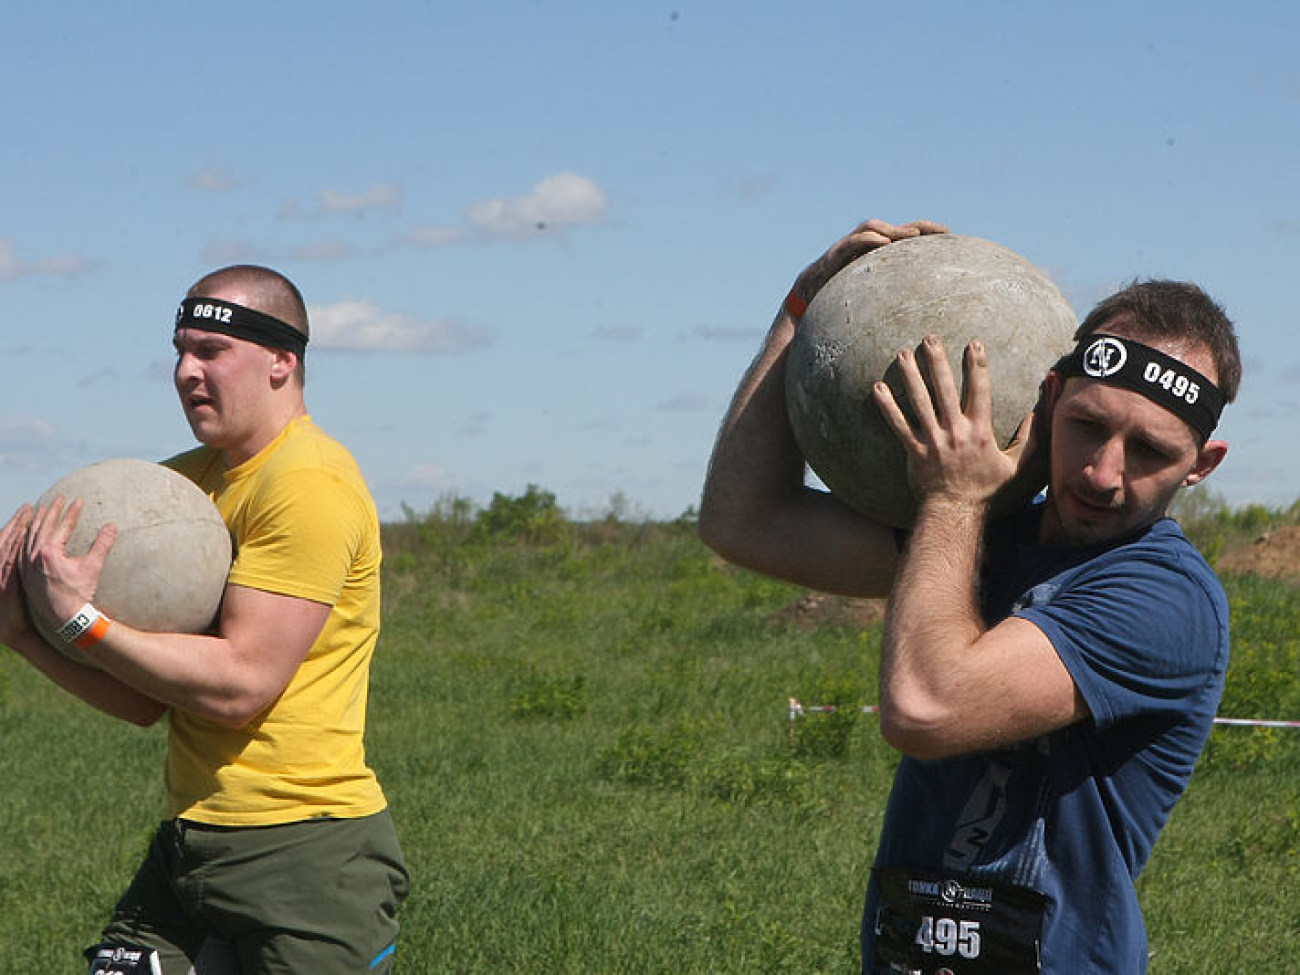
(94, 634)
(86, 627)
(795, 305)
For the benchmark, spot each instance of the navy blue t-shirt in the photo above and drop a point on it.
(1142, 627)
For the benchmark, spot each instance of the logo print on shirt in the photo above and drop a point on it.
(983, 812)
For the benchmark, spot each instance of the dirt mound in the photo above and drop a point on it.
(814, 609)
(1275, 555)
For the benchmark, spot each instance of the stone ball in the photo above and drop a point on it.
(168, 566)
(955, 286)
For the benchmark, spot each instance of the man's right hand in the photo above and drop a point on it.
(14, 621)
(59, 584)
(865, 237)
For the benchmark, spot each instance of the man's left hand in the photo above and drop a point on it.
(952, 450)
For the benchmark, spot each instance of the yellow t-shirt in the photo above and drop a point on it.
(303, 524)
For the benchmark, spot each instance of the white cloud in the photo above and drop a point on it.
(28, 433)
(358, 326)
(212, 179)
(60, 265)
(25, 442)
(433, 235)
(382, 196)
(563, 200)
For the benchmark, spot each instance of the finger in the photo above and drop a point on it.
(42, 517)
(901, 231)
(979, 383)
(918, 393)
(928, 227)
(12, 537)
(942, 385)
(103, 542)
(16, 527)
(882, 232)
(71, 515)
(865, 237)
(872, 226)
(893, 414)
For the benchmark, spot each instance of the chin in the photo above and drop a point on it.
(1075, 524)
(204, 434)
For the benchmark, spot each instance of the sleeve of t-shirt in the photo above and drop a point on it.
(1140, 634)
(302, 536)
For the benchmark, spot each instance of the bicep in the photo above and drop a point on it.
(1007, 687)
(1022, 687)
(812, 539)
(269, 633)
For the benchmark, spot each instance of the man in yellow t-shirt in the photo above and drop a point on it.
(278, 841)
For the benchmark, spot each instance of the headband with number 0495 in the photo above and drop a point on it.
(1159, 377)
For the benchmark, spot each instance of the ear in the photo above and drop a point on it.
(1048, 393)
(1210, 457)
(283, 363)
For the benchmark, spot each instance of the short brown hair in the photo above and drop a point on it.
(1174, 309)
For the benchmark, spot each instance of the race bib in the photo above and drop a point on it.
(931, 924)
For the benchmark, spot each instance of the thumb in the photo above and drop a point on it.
(1022, 438)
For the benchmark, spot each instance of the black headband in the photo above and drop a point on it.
(215, 315)
(1160, 378)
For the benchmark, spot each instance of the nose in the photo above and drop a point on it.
(186, 370)
(1105, 469)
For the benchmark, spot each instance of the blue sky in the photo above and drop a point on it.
(542, 240)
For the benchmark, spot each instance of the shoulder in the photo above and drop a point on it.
(310, 480)
(202, 465)
(304, 443)
(1144, 621)
(1161, 559)
(306, 453)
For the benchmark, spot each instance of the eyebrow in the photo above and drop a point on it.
(1083, 411)
(199, 340)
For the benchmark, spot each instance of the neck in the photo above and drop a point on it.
(253, 445)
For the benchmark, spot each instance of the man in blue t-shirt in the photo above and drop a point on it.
(1050, 677)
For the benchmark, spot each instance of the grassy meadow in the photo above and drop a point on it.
(583, 734)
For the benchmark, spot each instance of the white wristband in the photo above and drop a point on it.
(86, 627)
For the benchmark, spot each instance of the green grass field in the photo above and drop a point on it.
(582, 730)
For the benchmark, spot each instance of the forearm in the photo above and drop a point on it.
(202, 675)
(933, 625)
(756, 466)
(756, 509)
(95, 687)
(758, 512)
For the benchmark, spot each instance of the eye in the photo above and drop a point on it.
(1088, 426)
(1153, 453)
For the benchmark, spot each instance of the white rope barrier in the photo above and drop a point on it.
(798, 710)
